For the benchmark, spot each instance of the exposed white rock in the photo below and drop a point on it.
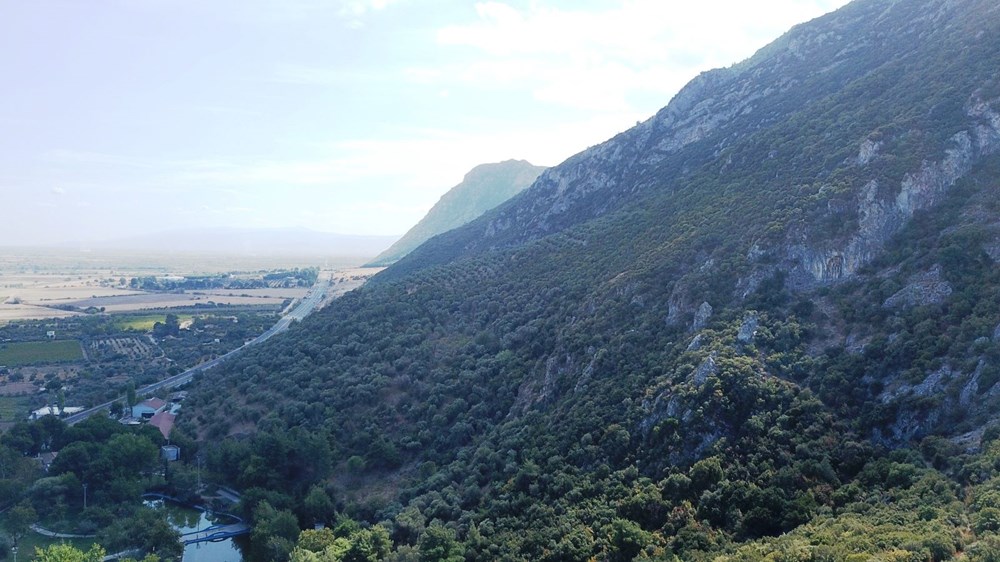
(696, 343)
(923, 289)
(705, 370)
(867, 152)
(748, 329)
(971, 388)
(702, 316)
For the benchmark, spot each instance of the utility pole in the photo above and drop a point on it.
(198, 459)
(84, 495)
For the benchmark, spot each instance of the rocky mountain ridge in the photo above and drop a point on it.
(719, 108)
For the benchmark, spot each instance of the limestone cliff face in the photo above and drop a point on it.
(883, 212)
(718, 107)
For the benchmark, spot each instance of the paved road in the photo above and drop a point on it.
(52, 534)
(308, 304)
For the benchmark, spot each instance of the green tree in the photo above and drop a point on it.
(317, 505)
(438, 544)
(68, 553)
(369, 545)
(18, 520)
(626, 540)
(315, 540)
(274, 530)
(146, 530)
(130, 398)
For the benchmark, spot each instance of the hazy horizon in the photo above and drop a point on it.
(352, 117)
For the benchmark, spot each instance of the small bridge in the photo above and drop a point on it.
(216, 533)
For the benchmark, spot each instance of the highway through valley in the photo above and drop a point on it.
(303, 309)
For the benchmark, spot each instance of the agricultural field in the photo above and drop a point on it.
(16, 354)
(41, 284)
(134, 348)
(85, 328)
(155, 301)
(145, 322)
(10, 312)
(271, 293)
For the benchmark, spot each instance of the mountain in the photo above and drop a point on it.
(762, 325)
(251, 242)
(482, 189)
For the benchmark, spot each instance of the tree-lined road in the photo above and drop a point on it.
(303, 309)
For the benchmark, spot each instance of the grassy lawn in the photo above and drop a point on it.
(13, 407)
(31, 540)
(144, 322)
(28, 353)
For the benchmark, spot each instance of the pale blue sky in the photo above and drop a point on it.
(353, 116)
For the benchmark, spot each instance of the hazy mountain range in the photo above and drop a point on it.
(246, 242)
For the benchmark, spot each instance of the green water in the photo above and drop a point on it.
(187, 520)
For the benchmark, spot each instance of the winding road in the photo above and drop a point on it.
(303, 309)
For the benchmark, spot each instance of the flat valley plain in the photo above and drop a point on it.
(44, 292)
(43, 283)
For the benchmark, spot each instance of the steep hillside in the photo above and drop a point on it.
(848, 83)
(769, 309)
(482, 189)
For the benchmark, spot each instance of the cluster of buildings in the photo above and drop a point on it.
(157, 412)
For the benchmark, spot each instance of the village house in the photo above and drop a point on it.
(148, 408)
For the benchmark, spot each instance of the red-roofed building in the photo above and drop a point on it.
(164, 421)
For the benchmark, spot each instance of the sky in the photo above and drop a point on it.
(120, 117)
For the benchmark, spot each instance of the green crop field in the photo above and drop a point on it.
(29, 353)
(144, 322)
(13, 408)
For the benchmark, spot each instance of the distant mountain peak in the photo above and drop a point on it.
(483, 188)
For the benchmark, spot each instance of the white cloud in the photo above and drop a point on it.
(599, 60)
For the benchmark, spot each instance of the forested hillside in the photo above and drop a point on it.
(762, 325)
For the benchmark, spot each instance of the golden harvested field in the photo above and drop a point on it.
(147, 301)
(9, 312)
(29, 296)
(294, 293)
(33, 286)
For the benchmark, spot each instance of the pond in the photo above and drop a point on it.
(188, 519)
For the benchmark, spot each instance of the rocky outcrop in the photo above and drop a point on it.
(702, 316)
(696, 343)
(706, 369)
(933, 383)
(923, 289)
(748, 328)
(883, 212)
